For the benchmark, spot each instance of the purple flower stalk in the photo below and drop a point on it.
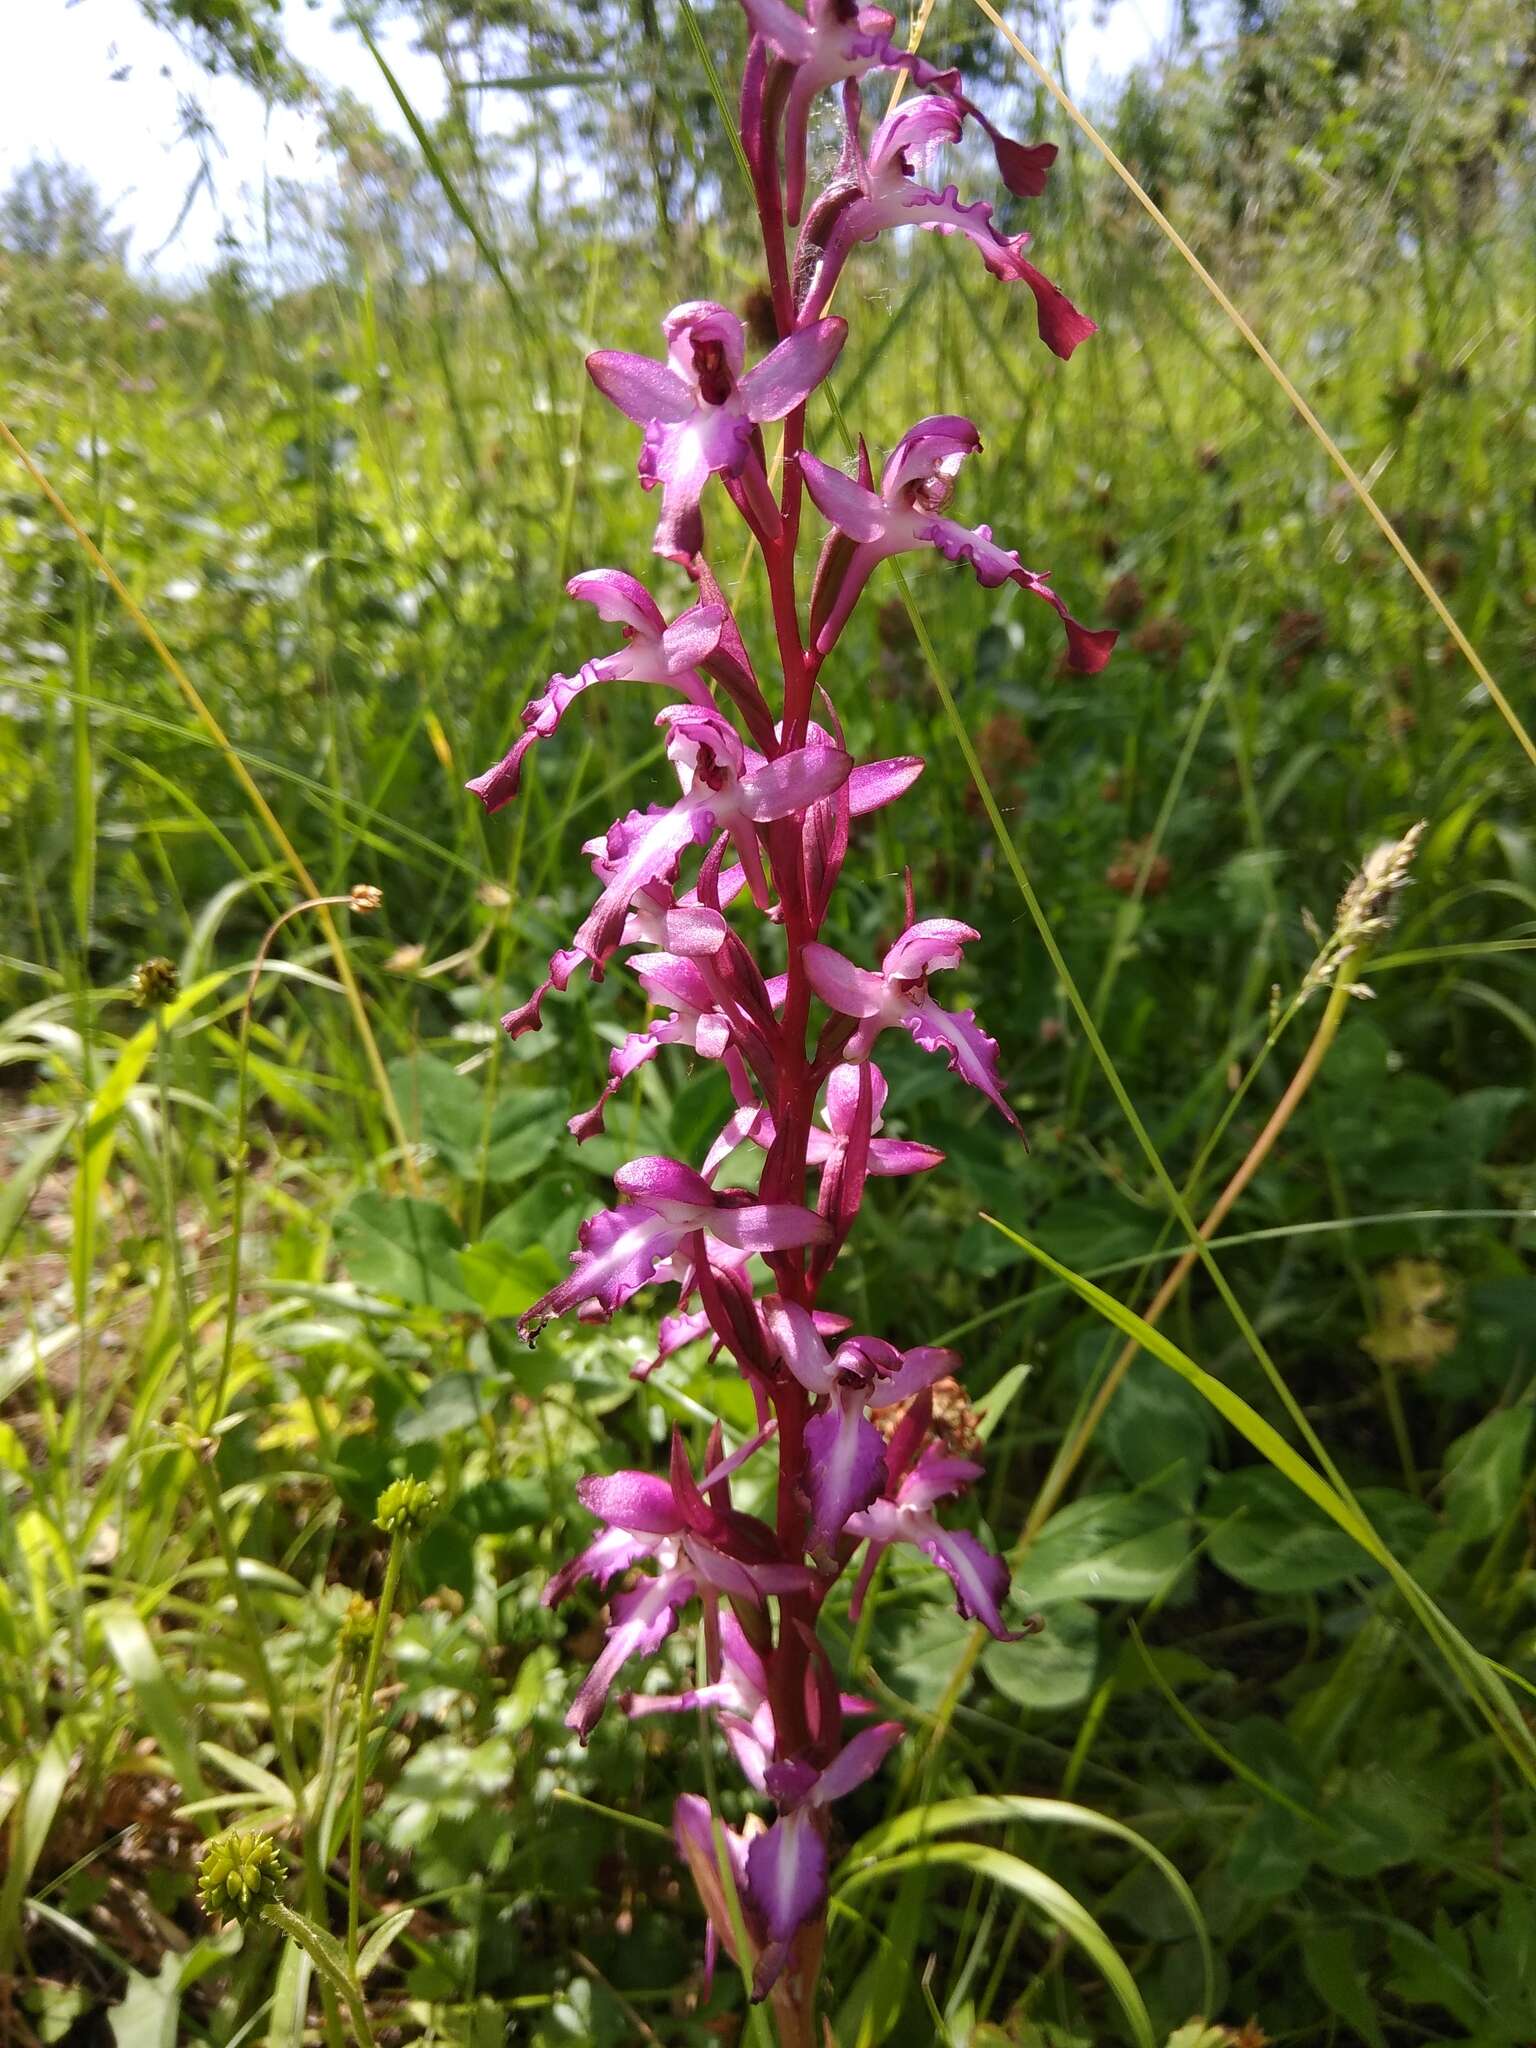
(762, 820)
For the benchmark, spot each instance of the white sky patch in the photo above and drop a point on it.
(94, 84)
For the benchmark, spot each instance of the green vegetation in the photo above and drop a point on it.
(263, 1235)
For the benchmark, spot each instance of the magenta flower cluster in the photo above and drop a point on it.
(768, 801)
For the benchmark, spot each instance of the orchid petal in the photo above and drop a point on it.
(851, 991)
(931, 448)
(641, 1502)
(652, 855)
(874, 784)
(655, 1179)
(767, 1227)
(619, 598)
(642, 1622)
(642, 389)
(848, 505)
(618, 1252)
(798, 1342)
(846, 1466)
(793, 782)
(843, 1086)
(928, 947)
(610, 1552)
(979, 1578)
(857, 1761)
(970, 1052)
(787, 1875)
(890, 1158)
(920, 1367)
(788, 374)
(935, 1477)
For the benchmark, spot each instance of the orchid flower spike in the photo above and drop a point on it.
(898, 995)
(917, 483)
(885, 188)
(701, 414)
(653, 652)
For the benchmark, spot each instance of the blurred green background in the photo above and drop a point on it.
(346, 478)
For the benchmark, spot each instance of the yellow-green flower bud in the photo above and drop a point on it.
(356, 1627)
(240, 1870)
(407, 1505)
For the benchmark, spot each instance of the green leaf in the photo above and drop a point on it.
(1051, 1900)
(377, 1946)
(1264, 1535)
(455, 1401)
(504, 1283)
(160, 1701)
(1328, 1953)
(405, 1247)
(150, 2013)
(472, 1132)
(1110, 1546)
(496, 1507)
(1486, 1471)
(1053, 1669)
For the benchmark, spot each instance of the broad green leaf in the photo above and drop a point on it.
(1109, 1546)
(1051, 1670)
(1263, 1534)
(455, 1401)
(477, 1134)
(150, 2013)
(1486, 1471)
(1328, 1953)
(504, 1283)
(405, 1247)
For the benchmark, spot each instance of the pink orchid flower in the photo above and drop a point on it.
(701, 413)
(694, 1544)
(653, 652)
(620, 1249)
(883, 187)
(897, 994)
(980, 1579)
(837, 40)
(846, 1469)
(907, 512)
